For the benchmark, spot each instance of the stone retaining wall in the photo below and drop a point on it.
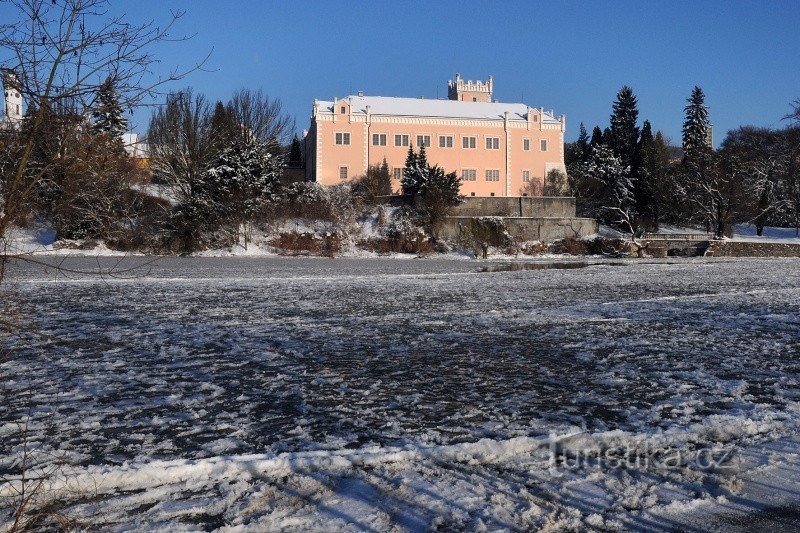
(752, 249)
(544, 229)
(517, 206)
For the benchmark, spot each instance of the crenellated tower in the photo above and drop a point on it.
(12, 98)
(468, 90)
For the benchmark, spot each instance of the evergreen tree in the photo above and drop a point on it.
(644, 162)
(608, 138)
(616, 202)
(422, 159)
(107, 113)
(412, 178)
(438, 194)
(597, 138)
(583, 143)
(296, 154)
(240, 180)
(222, 130)
(624, 131)
(696, 125)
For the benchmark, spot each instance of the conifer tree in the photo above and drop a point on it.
(583, 143)
(296, 154)
(624, 131)
(597, 138)
(644, 162)
(608, 138)
(222, 130)
(409, 183)
(107, 112)
(696, 125)
(422, 159)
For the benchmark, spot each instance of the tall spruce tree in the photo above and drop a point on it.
(295, 154)
(597, 139)
(624, 131)
(643, 164)
(696, 125)
(410, 180)
(583, 143)
(107, 115)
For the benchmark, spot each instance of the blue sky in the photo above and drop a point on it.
(569, 56)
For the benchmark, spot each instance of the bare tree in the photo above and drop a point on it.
(180, 142)
(260, 118)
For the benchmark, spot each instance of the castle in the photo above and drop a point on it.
(497, 149)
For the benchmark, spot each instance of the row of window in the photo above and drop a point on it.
(467, 174)
(471, 174)
(445, 141)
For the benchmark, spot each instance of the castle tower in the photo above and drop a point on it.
(469, 91)
(12, 99)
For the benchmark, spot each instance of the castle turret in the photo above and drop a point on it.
(12, 98)
(469, 91)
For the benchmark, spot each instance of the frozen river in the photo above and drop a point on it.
(237, 362)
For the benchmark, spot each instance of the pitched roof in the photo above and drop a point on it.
(426, 107)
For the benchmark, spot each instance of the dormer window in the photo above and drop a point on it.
(343, 110)
(536, 118)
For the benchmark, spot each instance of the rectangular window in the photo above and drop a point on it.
(526, 175)
(469, 174)
(469, 142)
(536, 118)
(401, 140)
(492, 143)
(397, 173)
(526, 145)
(344, 110)
(378, 139)
(445, 141)
(492, 175)
(343, 138)
(343, 173)
(424, 140)
(543, 145)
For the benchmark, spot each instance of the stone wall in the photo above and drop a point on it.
(516, 206)
(544, 229)
(752, 249)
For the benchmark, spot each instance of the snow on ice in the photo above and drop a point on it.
(352, 394)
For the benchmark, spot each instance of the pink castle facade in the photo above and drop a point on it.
(497, 149)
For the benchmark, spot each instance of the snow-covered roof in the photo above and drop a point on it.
(426, 107)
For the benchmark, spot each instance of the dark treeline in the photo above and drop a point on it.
(634, 179)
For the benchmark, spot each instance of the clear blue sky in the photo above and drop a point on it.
(569, 56)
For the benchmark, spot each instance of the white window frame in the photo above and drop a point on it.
(469, 140)
(423, 135)
(397, 173)
(492, 174)
(346, 172)
(381, 137)
(526, 144)
(402, 135)
(345, 135)
(469, 174)
(445, 138)
(492, 143)
(543, 145)
(526, 176)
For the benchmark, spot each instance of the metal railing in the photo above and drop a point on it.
(677, 237)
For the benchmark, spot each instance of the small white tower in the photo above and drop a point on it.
(12, 98)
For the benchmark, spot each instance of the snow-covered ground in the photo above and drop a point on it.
(747, 232)
(351, 394)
